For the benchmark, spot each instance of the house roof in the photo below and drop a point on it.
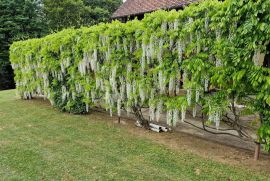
(136, 7)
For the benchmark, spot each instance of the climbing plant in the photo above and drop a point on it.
(204, 60)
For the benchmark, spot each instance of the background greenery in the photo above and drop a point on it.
(24, 19)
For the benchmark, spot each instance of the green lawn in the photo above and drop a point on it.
(39, 143)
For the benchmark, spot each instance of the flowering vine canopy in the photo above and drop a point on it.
(204, 57)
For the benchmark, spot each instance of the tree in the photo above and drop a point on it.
(62, 14)
(19, 20)
(101, 10)
(76, 13)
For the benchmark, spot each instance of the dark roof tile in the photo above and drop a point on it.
(135, 7)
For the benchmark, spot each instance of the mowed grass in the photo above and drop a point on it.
(37, 142)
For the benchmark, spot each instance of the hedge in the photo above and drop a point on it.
(207, 49)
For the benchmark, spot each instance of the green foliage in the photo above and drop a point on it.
(76, 13)
(24, 19)
(207, 47)
(19, 20)
(264, 133)
(62, 14)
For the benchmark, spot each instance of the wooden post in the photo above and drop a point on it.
(257, 151)
(119, 119)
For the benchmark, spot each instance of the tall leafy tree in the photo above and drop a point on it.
(19, 20)
(65, 13)
(102, 9)
(76, 13)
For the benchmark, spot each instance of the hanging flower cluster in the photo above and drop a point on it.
(117, 66)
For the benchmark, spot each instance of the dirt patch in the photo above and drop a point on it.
(122, 122)
(2, 113)
(180, 141)
(205, 148)
(4, 142)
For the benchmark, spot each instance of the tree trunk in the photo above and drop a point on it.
(138, 114)
(236, 118)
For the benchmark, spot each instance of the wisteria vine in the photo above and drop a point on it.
(168, 62)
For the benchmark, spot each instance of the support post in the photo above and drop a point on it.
(119, 119)
(257, 151)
